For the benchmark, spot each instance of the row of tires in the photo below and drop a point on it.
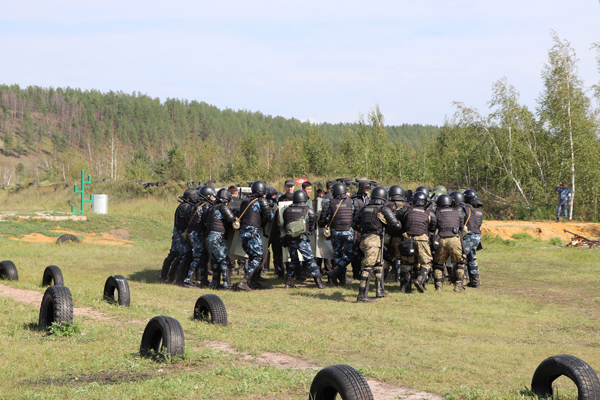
(164, 335)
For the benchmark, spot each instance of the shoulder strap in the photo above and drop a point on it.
(247, 207)
(195, 212)
(336, 210)
(467, 221)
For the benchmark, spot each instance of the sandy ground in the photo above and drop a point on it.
(380, 390)
(115, 237)
(543, 230)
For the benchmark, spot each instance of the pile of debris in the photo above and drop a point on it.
(579, 241)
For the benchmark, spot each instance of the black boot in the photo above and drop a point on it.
(216, 276)
(474, 280)
(406, 286)
(379, 290)
(341, 275)
(420, 281)
(319, 282)
(333, 276)
(243, 285)
(363, 292)
(289, 282)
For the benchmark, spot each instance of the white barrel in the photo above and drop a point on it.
(100, 204)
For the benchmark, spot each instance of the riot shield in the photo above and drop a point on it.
(321, 248)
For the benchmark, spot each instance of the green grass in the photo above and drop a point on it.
(536, 301)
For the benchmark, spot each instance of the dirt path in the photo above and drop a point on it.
(543, 230)
(114, 237)
(381, 391)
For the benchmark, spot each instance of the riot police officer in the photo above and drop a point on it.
(255, 212)
(397, 200)
(180, 248)
(196, 236)
(417, 222)
(472, 239)
(339, 216)
(449, 226)
(359, 200)
(372, 220)
(218, 222)
(298, 222)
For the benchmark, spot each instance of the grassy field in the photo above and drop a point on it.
(538, 300)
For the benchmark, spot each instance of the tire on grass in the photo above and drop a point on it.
(340, 379)
(67, 238)
(57, 306)
(163, 335)
(118, 283)
(580, 372)
(52, 276)
(8, 271)
(210, 307)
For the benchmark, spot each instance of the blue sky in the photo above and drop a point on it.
(323, 60)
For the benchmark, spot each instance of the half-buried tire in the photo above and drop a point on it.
(580, 372)
(119, 284)
(163, 335)
(8, 271)
(210, 308)
(52, 276)
(57, 306)
(67, 238)
(340, 379)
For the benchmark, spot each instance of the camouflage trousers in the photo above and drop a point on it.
(253, 246)
(197, 245)
(422, 257)
(371, 247)
(215, 242)
(343, 244)
(301, 245)
(471, 241)
(449, 248)
(562, 209)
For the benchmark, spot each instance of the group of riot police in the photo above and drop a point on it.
(418, 236)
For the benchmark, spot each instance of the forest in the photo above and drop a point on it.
(514, 155)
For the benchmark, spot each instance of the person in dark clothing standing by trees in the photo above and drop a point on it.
(255, 213)
(564, 201)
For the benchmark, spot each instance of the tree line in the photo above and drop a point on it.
(514, 155)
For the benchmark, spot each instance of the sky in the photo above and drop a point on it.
(323, 61)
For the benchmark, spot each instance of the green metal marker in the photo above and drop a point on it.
(82, 191)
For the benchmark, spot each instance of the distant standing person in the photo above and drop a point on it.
(564, 200)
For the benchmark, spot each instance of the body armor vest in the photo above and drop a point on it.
(214, 224)
(182, 216)
(250, 217)
(448, 221)
(476, 219)
(369, 222)
(416, 221)
(294, 213)
(196, 224)
(343, 218)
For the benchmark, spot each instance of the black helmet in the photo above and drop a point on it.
(444, 201)
(259, 187)
(419, 199)
(470, 194)
(338, 190)
(299, 197)
(379, 193)
(423, 189)
(457, 197)
(396, 193)
(224, 196)
(207, 191)
(190, 194)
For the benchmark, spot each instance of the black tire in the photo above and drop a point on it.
(580, 372)
(340, 379)
(52, 276)
(57, 306)
(210, 307)
(67, 238)
(8, 271)
(163, 335)
(118, 283)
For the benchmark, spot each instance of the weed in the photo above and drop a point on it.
(522, 236)
(64, 329)
(555, 241)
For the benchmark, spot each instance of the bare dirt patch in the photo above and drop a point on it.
(381, 390)
(115, 237)
(543, 230)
